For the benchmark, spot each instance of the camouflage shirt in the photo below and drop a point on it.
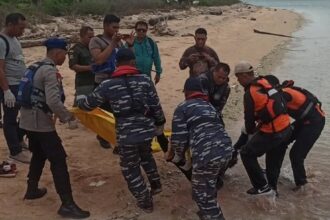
(135, 104)
(196, 124)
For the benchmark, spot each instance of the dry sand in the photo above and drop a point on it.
(231, 35)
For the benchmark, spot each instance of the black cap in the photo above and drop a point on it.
(56, 43)
(125, 54)
(193, 84)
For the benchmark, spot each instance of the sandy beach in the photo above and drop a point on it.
(231, 35)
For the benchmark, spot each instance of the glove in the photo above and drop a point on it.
(234, 158)
(287, 83)
(80, 99)
(73, 124)
(10, 99)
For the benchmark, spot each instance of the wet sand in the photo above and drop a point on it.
(231, 35)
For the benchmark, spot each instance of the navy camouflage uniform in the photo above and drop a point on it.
(197, 124)
(137, 110)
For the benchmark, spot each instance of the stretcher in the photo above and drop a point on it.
(102, 123)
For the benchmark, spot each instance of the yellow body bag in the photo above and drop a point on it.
(103, 123)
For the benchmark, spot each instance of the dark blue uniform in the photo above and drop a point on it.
(196, 124)
(137, 110)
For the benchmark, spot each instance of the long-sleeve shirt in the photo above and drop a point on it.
(196, 124)
(147, 54)
(135, 104)
(249, 113)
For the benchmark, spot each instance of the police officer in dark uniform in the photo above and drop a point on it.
(44, 142)
(138, 113)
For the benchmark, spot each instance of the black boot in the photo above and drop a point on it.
(69, 208)
(147, 205)
(156, 187)
(203, 217)
(33, 192)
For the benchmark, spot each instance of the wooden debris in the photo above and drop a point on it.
(40, 42)
(269, 33)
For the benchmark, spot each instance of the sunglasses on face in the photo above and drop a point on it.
(141, 30)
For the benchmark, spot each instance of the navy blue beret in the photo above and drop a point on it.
(193, 84)
(56, 43)
(125, 54)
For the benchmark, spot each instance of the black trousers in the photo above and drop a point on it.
(274, 146)
(13, 134)
(305, 134)
(48, 146)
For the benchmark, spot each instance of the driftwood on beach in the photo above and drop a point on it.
(269, 33)
(32, 43)
(40, 42)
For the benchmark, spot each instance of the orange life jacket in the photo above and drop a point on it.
(269, 106)
(301, 102)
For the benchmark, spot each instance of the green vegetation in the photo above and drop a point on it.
(40, 8)
(217, 2)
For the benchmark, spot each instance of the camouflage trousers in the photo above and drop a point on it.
(131, 158)
(204, 190)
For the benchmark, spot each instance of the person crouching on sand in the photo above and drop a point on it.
(197, 123)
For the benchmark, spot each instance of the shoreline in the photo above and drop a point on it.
(276, 56)
(231, 35)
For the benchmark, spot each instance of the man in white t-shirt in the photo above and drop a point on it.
(12, 68)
